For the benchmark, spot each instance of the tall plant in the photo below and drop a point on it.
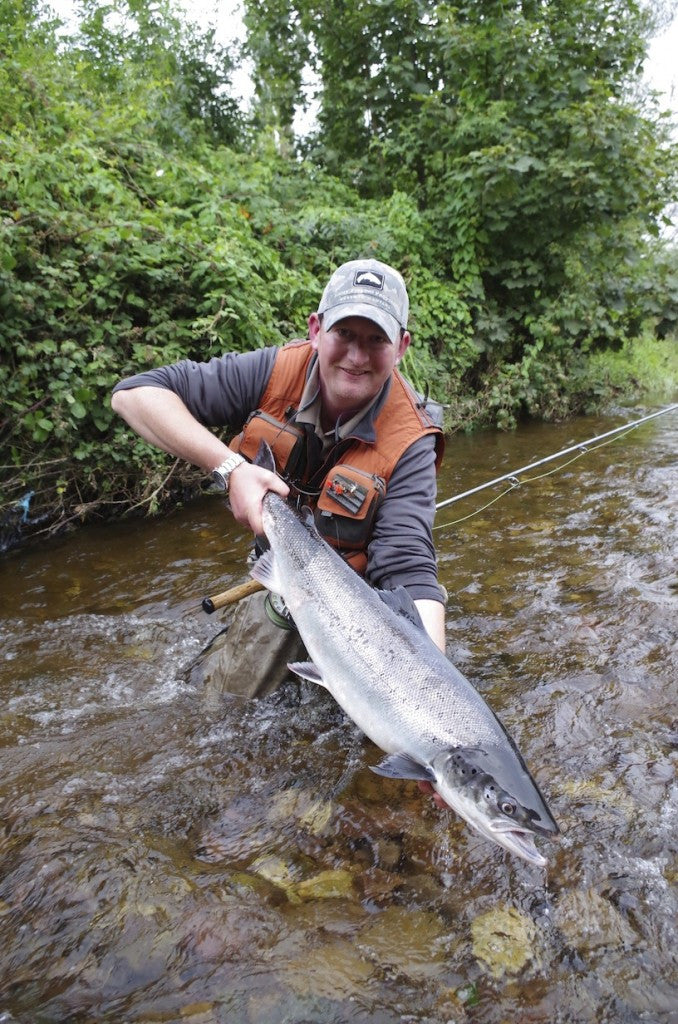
(519, 129)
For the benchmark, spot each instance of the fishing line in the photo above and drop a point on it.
(581, 449)
(584, 451)
(477, 511)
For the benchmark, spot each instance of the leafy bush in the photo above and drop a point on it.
(142, 221)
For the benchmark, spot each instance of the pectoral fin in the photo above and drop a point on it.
(307, 670)
(402, 766)
(264, 457)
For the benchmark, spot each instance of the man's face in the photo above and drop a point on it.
(355, 359)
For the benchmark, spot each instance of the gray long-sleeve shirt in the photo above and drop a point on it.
(225, 390)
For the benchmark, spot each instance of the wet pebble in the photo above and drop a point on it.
(327, 885)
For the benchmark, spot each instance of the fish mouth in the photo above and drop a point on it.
(517, 841)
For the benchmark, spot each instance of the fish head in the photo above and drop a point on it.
(495, 793)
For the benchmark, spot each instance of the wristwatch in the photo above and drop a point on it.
(222, 473)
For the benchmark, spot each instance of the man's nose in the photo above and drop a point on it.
(357, 352)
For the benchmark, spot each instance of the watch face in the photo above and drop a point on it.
(222, 473)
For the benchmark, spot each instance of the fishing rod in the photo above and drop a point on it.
(582, 447)
(228, 597)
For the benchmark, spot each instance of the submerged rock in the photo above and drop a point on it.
(328, 885)
(409, 941)
(274, 870)
(504, 940)
(589, 922)
(312, 812)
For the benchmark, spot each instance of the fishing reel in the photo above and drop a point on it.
(277, 611)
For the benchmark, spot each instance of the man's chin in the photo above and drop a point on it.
(356, 388)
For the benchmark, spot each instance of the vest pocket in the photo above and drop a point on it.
(347, 506)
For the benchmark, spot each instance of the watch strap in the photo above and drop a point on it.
(221, 473)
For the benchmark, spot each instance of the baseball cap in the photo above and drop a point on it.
(367, 288)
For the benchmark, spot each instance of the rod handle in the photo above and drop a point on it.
(210, 604)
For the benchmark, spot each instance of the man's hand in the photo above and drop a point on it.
(247, 487)
(427, 788)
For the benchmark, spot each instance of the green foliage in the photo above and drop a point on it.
(548, 387)
(144, 53)
(519, 130)
(536, 165)
(114, 259)
(279, 45)
(645, 365)
(489, 150)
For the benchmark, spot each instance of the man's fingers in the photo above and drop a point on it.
(248, 488)
(428, 789)
(274, 483)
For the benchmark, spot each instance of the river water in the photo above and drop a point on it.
(169, 857)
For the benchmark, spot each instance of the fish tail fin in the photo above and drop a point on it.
(264, 457)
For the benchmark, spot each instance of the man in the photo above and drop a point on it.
(350, 438)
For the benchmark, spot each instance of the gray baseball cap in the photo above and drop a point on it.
(367, 288)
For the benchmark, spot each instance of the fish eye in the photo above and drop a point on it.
(507, 807)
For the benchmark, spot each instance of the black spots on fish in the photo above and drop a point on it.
(490, 791)
(463, 766)
(468, 766)
(500, 799)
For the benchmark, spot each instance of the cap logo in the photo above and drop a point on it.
(370, 278)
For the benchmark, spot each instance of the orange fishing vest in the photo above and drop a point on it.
(355, 483)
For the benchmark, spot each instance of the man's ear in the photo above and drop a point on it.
(403, 346)
(314, 327)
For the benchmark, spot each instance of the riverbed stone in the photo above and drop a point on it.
(590, 922)
(409, 941)
(504, 940)
(275, 870)
(335, 970)
(327, 885)
(312, 812)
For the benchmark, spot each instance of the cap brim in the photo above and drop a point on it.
(388, 323)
